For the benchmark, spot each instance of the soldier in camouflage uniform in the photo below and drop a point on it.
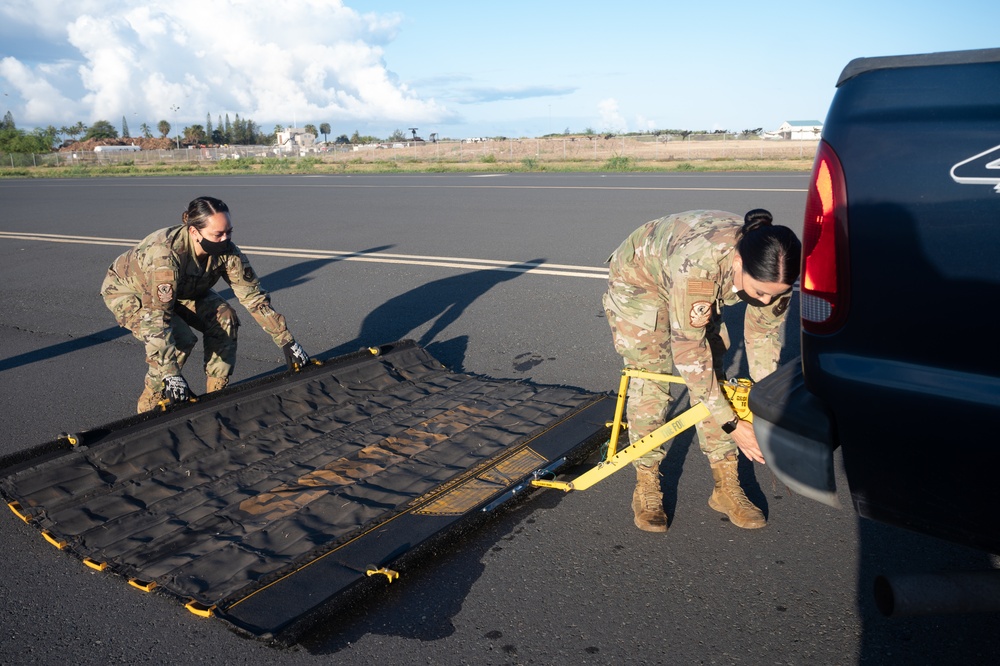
(668, 283)
(162, 289)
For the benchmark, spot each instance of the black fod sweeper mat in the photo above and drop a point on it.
(263, 504)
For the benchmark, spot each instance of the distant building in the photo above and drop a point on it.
(796, 129)
(295, 139)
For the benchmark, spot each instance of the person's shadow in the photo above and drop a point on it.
(439, 303)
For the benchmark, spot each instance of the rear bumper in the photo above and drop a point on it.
(795, 433)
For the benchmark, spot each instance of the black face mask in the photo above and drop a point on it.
(215, 248)
(749, 300)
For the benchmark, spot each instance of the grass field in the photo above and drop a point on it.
(588, 153)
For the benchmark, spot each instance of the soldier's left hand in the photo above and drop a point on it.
(746, 440)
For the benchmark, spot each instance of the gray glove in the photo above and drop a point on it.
(175, 389)
(295, 356)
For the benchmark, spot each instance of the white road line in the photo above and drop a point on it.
(538, 268)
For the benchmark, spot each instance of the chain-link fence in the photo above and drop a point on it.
(667, 148)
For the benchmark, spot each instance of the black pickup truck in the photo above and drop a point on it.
(900, 288)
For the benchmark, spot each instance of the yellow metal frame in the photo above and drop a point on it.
(615, 459)
(737, 392)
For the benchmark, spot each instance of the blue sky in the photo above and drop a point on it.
(458, 69)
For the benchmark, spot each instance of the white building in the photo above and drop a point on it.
(295, 140)
(798, 129)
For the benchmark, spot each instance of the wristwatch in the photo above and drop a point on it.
(729, 427)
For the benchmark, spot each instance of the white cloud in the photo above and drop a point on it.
(276, 61)
(645, 124)
(611, 119)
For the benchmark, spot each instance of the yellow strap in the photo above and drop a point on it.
(54, 541)
(144, 585)
(18, 511)
(388, 573)
(199, 609)
(93, 564)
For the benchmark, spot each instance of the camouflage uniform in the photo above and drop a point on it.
(668, 282)
(159, 291)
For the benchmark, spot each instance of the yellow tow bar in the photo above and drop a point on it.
(737, 391)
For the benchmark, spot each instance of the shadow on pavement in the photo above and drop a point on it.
(440, 303)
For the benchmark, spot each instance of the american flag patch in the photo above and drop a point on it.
(701, 287)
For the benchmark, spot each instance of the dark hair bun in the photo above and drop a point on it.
(758, 217)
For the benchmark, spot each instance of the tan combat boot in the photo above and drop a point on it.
(647, 500)
(728, 496)
(216, 384)
(148, 400)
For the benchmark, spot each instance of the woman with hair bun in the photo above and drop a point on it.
(668, 283)
(161, 291)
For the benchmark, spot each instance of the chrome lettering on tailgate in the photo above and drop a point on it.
(981, 169)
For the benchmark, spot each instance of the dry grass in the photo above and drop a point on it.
(519, 155)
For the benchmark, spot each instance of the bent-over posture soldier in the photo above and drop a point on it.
(162, 289)
(669, 281)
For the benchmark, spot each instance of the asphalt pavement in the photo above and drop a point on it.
(498, 275)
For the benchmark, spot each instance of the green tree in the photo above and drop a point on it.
(239, 130)
(74, 131)
(324, 129)
(342, 139)
(8, 121)
(13, 140)
(125, 134)
(163, 127)
(311, 129)
(101, 129)
(146, 131)
(208, 126)
(193, 135)
(228, 131)
(49, 135)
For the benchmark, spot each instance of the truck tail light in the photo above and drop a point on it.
(824, 285)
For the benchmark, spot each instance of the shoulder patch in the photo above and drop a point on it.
(701, 314)
(781, 306)
(701, 287)
(165, 292)
(248, 273)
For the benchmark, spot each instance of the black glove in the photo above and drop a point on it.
(175, 389)
(295, 356)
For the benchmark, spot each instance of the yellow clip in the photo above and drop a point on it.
(72, 440)
(144, 585)
(388, 573)
(738, 393)
(96, 566)
(199, 609)
(374, 351)
(55, 542)
(18, 511)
